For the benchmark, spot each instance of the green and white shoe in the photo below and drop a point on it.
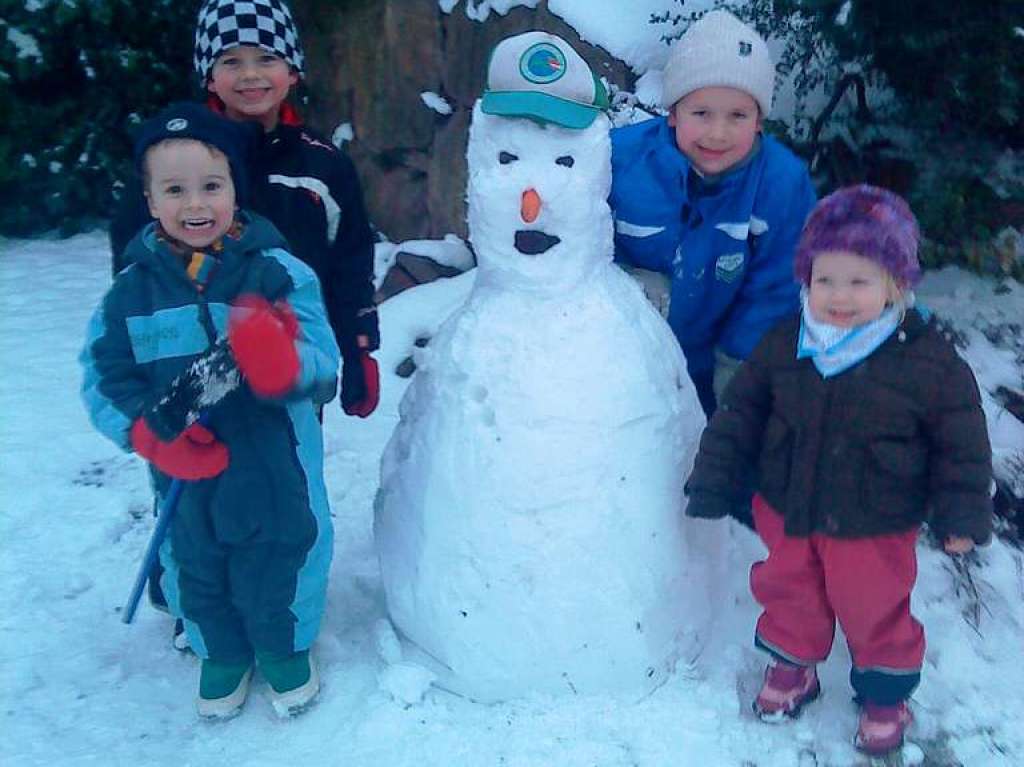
(223, 688)
(294, 681)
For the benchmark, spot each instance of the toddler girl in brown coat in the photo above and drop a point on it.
(853, 422)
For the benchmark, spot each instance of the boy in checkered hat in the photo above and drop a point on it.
(705, 199)
(857, 418)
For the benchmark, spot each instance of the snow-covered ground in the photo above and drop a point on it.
(77, 687)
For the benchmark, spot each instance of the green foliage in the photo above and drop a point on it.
(75, 77)
(920, 96)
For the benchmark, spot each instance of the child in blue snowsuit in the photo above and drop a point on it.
(703, 197)
(248, 551)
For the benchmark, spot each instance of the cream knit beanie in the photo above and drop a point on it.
(719, 50)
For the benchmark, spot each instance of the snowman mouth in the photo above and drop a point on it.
(531, 242)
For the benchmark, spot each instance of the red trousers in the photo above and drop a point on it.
(805, 584)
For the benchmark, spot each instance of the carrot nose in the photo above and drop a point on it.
(529, 209)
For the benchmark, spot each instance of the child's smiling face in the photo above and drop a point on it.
(189, 189)
(252, 83)
(847, 290)
(715, 127)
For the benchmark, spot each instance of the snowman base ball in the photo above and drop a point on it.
(530, 523)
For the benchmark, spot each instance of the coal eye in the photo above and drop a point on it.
(506, 157)
(566, 160)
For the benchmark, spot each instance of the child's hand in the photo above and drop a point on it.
(360, 385)
(194, 454)
(956, 545)
(262, 338)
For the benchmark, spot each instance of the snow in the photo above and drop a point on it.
(436, 102)
(80, 688)
(479, 10)
(450, 251)
(624, 29)
(342, 134)
(26, 45)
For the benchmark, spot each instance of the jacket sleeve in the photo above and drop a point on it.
(960, 459)
(349, 289)
(131, 215)
(769, 291)
(724, 469)
(316, 347)
(114, 387)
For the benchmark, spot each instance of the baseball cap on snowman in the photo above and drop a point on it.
(539, 76)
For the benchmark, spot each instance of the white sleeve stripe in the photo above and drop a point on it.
(635, 230)
(740, 229)
(737, 231)
(331, 207)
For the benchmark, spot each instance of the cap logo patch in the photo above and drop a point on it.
(542, 63)
(746, 48)
(177, 124)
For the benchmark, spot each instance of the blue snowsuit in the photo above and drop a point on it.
(726, 244)
(248, 552)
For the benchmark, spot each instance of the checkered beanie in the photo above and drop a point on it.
(224, 24)
(874, 223)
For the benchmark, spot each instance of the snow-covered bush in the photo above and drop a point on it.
(74, 79)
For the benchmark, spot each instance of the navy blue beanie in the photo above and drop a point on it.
(190, 120)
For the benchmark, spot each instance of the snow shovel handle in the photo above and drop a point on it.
(156, 539)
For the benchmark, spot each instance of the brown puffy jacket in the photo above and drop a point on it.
(896, 439)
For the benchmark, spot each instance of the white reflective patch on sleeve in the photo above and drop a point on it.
(635, 230)
(741, 229)
(331, 207)
(737, 231)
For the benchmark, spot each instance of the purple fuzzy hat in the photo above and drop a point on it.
(871, 222)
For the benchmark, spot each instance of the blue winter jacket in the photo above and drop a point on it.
(727, 246)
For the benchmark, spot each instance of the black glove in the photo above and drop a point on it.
(210, 378)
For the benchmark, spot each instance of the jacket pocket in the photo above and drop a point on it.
(896, 479)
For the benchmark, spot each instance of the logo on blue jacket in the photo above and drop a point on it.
(729, 267)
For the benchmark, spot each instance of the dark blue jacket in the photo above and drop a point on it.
(726, 246)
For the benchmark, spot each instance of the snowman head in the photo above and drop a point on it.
(539, 168)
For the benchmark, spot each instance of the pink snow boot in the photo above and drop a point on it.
(881, 728)
(787, 689)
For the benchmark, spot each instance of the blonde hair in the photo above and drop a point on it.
(898, 296)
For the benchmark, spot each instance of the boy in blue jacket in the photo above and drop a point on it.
(703, 197)
(248, 551)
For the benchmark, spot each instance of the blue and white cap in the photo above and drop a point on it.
(540, 76)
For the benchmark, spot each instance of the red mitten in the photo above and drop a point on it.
(362, 381)
(262, 338)
(193, 454)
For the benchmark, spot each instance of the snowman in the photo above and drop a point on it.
(529, 523)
